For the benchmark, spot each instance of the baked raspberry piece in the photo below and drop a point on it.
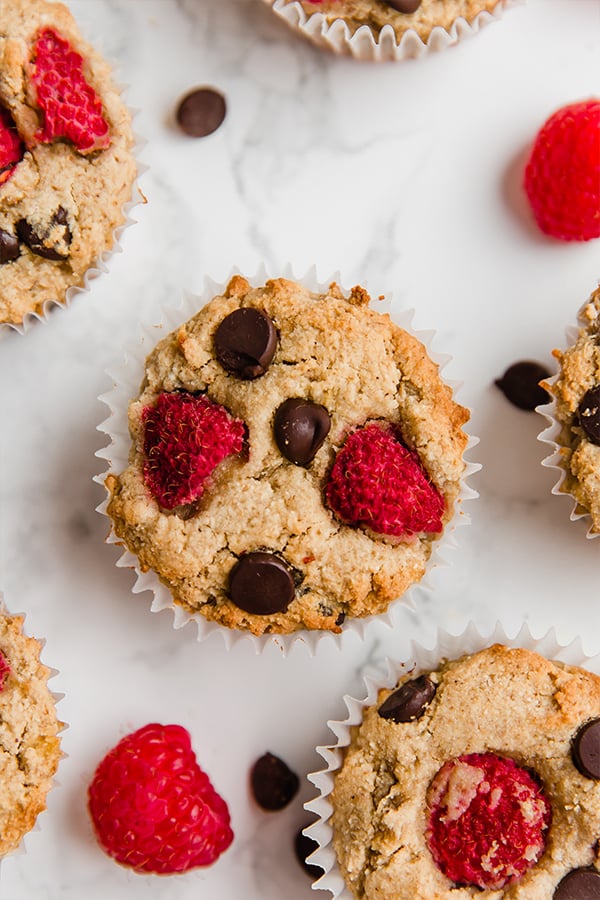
(5, 670)
(488, 820)
(377, 482)
(11, 147)
(185, 437)
(153, 807)
(562, 176)
(72, 109)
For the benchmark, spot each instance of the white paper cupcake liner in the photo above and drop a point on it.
(127, 379)
(363, 44)
(552, 435)
(56, 697)
(419, 659)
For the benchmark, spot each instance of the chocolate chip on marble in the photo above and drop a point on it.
(245, 342)
(201, 112)
(273, 782)
(410, 701)
(300, 428)
(585, 749)
(304, 846)
(520, 384)
(261, 583)
(57, 232)
(579, 884)
(9, 247)
(589, 414)
(404, 6)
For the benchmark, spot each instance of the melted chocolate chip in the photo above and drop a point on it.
(585, 749)
(580, 884)
(304, 846)
(245, 342)
(261, 583)
(520, 384)
(273, 782)
(9, 247)
(38, 241)
(201, 112)
(410, 701)
(300, 428)
(404, 6)
(589, 414)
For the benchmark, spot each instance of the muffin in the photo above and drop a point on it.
(29, 742)
(374, 29)
(477, 778)
(295, 455)
(575, 415)
(66, 163)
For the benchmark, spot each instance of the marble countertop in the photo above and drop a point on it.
(404, 176)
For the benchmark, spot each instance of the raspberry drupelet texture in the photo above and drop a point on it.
(185, 437)
(377, 482)
(71, 107)
(5, 670)
(153, 808)
(11, 147)
(562, 176)
(488, 819)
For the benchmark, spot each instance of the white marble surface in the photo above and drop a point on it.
(406, 176)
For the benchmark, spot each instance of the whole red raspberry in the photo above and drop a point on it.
(562, 176)
(377, 482)
(11, 147)
(153, 807)
(488, 820)
(185, 437)
(71, 106)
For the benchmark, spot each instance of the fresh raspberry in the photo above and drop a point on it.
(5, 670)
(11, 147)
(153, 807)
(488, 820)
(185, 437)
(72, 109)
(562, 176)
(379, 483)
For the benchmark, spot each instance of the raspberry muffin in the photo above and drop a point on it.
(66, 164)
(29, 742)
(575, 414)
(479, 778)
(373, 29)
(294, 458)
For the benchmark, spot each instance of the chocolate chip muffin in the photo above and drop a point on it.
(66, 164)
(576, 391)
(29, 742)
(480, 779)
(294, 458)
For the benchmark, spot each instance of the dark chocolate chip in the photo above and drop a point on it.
(580, 884)
(340, 619)
(410, 701)
(273, 782)
(261, 583)
(201, 112)
(585, 749)
(300, 428)
(304, 846)
(520, 384)
(405, 6)
(38, 241)
(9, 247)
(245, 342)
(589, 414)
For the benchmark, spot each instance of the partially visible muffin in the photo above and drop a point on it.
(66, 163)
(479, 779)
(576, 390)
(294, 458)
(29, 728)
